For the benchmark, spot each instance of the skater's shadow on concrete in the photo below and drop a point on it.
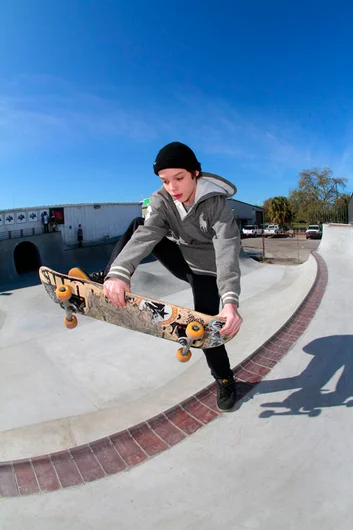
(332, 358)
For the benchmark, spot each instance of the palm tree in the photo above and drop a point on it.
(280, 211)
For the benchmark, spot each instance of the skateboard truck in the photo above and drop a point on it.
(194, 331)
(63, 294)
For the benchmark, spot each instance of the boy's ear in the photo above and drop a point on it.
(196, 173)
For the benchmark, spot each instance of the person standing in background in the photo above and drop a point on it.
(79, 236)
(53, 222)
(45, 221)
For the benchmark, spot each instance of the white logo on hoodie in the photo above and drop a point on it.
(203, 223)
(177, 239)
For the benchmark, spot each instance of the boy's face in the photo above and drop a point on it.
(180, 184)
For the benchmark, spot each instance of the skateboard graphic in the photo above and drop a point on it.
(78, 295)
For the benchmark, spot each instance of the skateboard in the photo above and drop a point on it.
(79, 296)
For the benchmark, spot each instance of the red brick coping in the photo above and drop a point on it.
(126, 449)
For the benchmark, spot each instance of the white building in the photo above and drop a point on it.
(99, 221)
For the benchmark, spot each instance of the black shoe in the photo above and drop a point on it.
(97, 277)
(226, 393)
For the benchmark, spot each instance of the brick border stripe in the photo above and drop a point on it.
(126, 449)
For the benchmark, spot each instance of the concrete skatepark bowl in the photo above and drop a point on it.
(93, 402)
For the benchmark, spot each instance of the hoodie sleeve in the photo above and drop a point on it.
(142, 242)
(226, 242)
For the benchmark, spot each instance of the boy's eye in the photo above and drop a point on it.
(180, 178)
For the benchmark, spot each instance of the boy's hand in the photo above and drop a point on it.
(234, 320)
(115, 290)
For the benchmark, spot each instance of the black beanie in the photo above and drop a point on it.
(176, 155)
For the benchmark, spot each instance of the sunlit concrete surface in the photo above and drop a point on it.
(64, 387)
(271, 464)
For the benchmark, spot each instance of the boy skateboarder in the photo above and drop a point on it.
(190, 228)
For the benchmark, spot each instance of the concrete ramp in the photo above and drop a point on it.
(337, 241)
(247, 263)
(49, 250)
(92, 258)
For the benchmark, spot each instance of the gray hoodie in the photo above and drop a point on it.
(207, 235)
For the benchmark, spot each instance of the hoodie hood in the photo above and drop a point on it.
(210, 184)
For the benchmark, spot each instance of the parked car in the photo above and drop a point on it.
(313, 232)
(273, 230)
(252, 231)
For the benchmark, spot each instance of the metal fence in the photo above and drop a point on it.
(25, 232)
(327, 214)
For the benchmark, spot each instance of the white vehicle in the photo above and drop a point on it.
(252, 231)
(273, 230)
(313, 232)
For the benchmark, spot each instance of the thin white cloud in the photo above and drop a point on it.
(260, 142)
(55, 120)
(54, 115)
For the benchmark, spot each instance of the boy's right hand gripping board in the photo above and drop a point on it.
(146, 315)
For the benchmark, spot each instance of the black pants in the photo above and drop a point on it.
(204, 289)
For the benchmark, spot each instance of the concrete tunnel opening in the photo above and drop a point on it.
(26, 257)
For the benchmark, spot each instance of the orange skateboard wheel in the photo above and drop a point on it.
(63, 292)
(183, 358)
(77, 273)
(195, 330)
(71, 324)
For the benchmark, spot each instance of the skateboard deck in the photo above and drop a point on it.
(146, 315)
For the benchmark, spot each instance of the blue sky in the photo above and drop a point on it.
(90, 90)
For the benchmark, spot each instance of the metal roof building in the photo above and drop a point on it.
(100, 221)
